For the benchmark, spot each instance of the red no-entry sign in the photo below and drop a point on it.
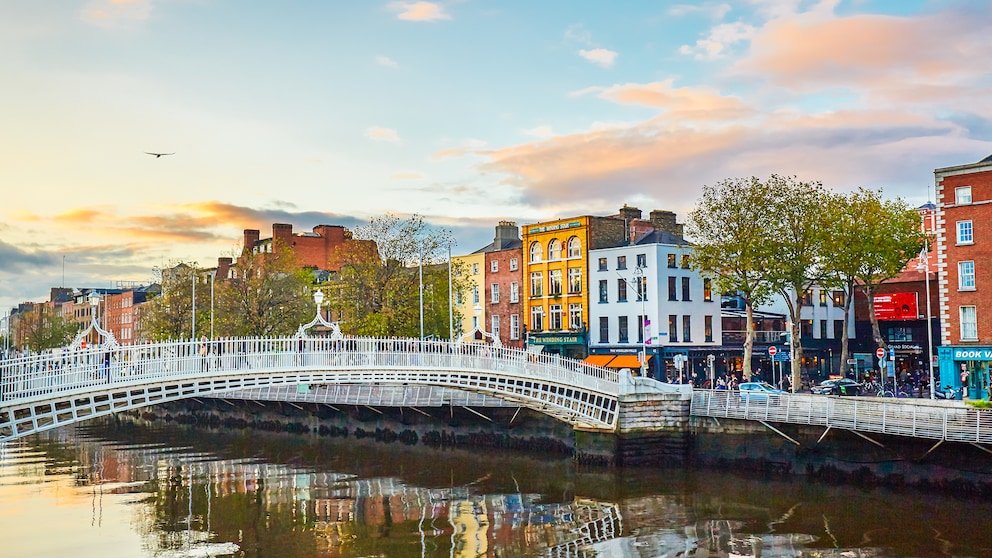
(772, 350)
(880, 352)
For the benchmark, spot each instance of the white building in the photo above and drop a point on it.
(650, 278)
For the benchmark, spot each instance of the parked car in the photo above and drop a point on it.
(840, 386)
(759, 392)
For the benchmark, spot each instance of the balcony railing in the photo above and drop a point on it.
(760, 337)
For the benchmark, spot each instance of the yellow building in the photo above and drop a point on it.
(555, 278)
(468, 302)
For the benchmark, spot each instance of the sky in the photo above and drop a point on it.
(465, 112)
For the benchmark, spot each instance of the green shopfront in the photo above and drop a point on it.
(966, 367)
(572, 345)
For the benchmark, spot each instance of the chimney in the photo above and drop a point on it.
(628, 213)
(665, 221)
(334, 234)
(251, 238)
(282, 233)
(506, 232)
(223, 267)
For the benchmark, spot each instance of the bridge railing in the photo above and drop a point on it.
(951, 421)
(42, 375)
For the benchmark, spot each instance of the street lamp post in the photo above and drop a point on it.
(193, 324)
(213, 276)
(925, 267)
(645, 323)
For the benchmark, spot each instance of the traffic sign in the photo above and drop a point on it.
(880, 352)
(83, 344)
(772, 350)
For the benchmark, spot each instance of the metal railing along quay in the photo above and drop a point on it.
(950, 421)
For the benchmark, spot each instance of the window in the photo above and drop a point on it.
(807, 298)
(621, 262)
(554, 250)
(475, 269)
(966, 234)
(475, 323)
(535, 252)
(708, 290)
(514, 292)
(685, 289)
(575, 316)
(621, 290)
(823, 329)
(622, 323)
(575, 280)
(823, 297)
(673, 328)
(708, 329)
(494, 293)
(537, 318)
(962, 195)
(642, 288)
(900, 334)
(966, 276)
(838, 329)
(604, 329)
(494, 326)
(640, 329)
(536, 284)
(574, 247)
(493, 266)
(513, 264)
(671, 261)
(514, 326)
(602, 264)
(806, 329)
(673, 288)
(604, 290)
(475, 294)
(969, 323)
(554, 282)
(642, 260)
(684, 263)
(687, 328)
(554, 317)
(838, 297)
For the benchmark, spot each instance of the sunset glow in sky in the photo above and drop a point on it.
(467, 112)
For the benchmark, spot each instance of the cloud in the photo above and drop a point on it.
(386, 61)
(577, 33)
(542, 132)
(115, 13)
(599, 56)
(682, 103)
(717, 43)
(379, 133)
(15, 260)
(419, 11)
(408, 175)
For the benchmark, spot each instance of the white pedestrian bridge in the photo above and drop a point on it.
(41, 392)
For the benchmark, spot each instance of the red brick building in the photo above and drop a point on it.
(504, 285)
(326, 248)
(964, 258)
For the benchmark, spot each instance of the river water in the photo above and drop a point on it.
(111, 491)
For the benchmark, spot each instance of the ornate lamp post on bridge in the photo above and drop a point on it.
(111, 341)
(318, 298)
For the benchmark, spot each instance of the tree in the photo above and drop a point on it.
(801, 227)
(729, 228)
(169, 315)
(378, 294)
(43, 327)
(269, 295)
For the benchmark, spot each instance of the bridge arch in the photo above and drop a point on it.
(47, 391)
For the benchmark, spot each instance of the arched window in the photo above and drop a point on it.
(554, 250)
(535, 252)
(574, 247)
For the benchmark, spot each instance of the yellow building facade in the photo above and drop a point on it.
(556, 280)
(468, 303)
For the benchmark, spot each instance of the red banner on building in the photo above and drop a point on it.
(897, 306)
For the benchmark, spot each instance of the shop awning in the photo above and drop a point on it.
(626, 361)
(599, 360)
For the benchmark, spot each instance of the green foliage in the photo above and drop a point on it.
(169, 315)
(979, 403)
(43, 328)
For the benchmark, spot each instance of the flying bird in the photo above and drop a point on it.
(157, 155)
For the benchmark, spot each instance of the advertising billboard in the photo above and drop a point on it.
(897, 306)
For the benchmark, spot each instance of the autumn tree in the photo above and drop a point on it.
(800, 230)
(43, 327)
(269, 295)
(170, 314)
(729, 228)
(378, 294)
